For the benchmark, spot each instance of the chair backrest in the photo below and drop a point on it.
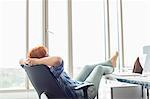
(43, 80)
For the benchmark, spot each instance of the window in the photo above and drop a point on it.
(88, 32)
(35, 24)
(13, 39)
(136, 22)
(12, 43)
(113, 19)
(58, 29)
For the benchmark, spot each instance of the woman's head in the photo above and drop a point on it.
(39, 51)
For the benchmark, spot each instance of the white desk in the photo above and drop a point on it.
(144, 81)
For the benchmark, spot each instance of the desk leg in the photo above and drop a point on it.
(147, 93)
(97, 96)
(142, 92)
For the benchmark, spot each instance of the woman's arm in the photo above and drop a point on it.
(49, 61)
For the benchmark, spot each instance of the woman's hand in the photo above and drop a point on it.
(29, 61)
(32, 61)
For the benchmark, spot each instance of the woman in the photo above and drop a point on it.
(90, 73)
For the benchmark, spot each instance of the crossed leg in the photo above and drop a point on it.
(94, 73)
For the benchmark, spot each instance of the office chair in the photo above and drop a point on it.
(45, 82)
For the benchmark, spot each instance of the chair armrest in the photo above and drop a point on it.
(84, 86)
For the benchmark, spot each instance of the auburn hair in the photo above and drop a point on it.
(39, 51)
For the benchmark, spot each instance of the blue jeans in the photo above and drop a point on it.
(93, 74)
